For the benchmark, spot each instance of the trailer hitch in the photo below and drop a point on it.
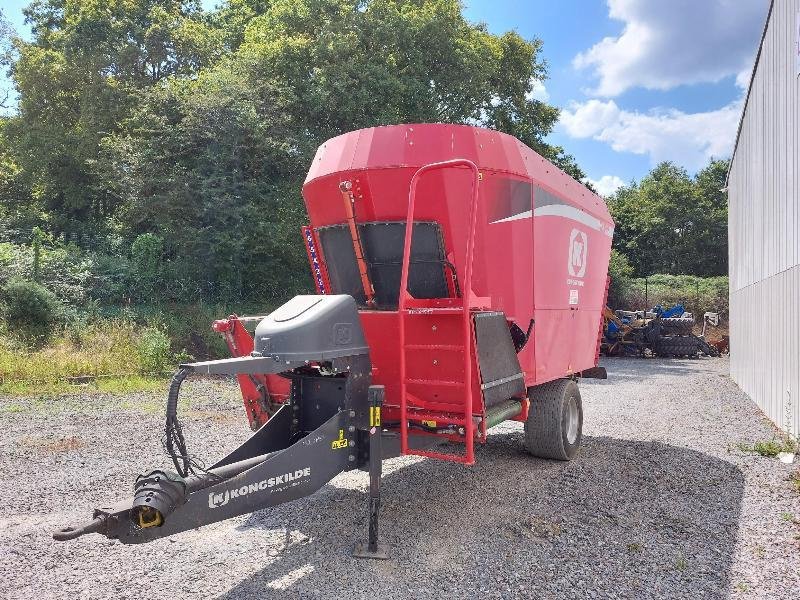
(70, 533)
(329, 424)
(164, 503)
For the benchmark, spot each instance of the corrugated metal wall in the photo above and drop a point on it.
(764, 228)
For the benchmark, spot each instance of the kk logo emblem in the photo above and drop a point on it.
(217, 500)
(342, 334)
(576, 264)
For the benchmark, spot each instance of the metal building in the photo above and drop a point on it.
(764, 225)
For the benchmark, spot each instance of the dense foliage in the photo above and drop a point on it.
(29, 309)
(697, 294)
(165, 146)
(673, 223)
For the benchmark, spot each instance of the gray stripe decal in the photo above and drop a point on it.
(566, 211)
(550, 205)
(523, 215)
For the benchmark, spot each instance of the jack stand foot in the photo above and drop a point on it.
(362, 550)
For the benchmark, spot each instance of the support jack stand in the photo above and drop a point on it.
(373, 548)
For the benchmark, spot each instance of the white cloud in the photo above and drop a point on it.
(689, 139)
(606, 185)
(590, 118)
(743, 78)
(669, 43)
(538, 91)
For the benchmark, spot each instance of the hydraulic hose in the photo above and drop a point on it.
(174, 442)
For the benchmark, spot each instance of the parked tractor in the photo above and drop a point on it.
(460, 283)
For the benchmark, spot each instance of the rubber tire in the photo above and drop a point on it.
(705, 348)
(677, 346)
(677, 325)
(546, 425)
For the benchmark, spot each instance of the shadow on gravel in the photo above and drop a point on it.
(628, 518)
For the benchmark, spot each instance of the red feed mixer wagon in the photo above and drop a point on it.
(461, 280)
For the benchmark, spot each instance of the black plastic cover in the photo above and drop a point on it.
(312, 328)
(382, 243)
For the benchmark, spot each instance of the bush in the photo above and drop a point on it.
(697, 294)
(113, 281)
(153, 348)
(620, 271)
(147, 252)
(30, 310)
(62, 269)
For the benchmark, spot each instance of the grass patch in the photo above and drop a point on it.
(769, 448)
(107, 385)
(105, 356)
(698, 294)
(117, 351)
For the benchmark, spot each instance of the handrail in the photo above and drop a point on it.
(403, 295)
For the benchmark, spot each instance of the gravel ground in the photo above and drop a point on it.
(660, 503)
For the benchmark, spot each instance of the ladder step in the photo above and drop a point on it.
(425, 415)
(435, 382)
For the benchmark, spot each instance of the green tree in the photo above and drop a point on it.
(347, 64)
(18, 211)
(711, 213)
(153, 117)
(78, 79)
(214, 164)
(205, 164)
(620, 271)
(673, 223)
(6, 54)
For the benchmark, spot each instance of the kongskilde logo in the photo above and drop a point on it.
(576, 263)
(215, 500)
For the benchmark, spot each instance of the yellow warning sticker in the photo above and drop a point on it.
(340, 443)
(374, 416)
(429, 424)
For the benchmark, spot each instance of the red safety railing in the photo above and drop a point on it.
(466, 290)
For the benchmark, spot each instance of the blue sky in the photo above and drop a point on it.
(638, 81)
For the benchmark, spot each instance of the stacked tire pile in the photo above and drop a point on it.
(677, 340)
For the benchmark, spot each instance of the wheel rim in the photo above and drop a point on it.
(572, 420)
